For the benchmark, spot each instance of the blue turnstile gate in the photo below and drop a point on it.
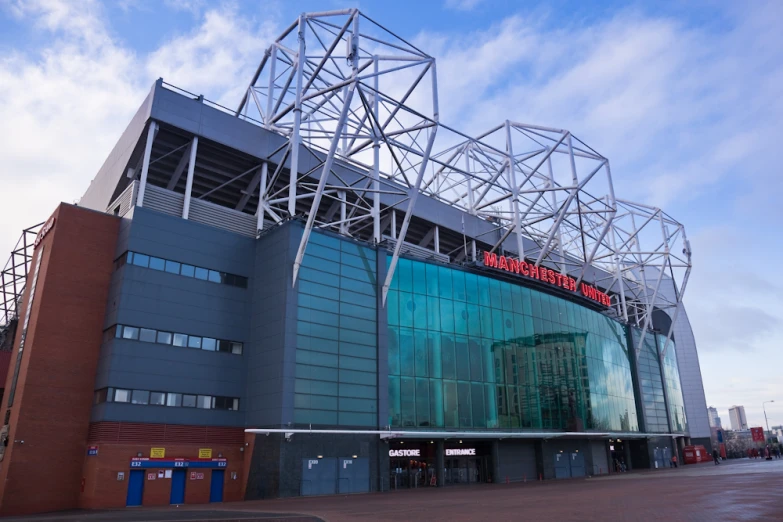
(135, 488)
(177, 487)
(216, 485)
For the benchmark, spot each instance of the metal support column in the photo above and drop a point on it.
(189, 183)
(145, 164)
(440, 463)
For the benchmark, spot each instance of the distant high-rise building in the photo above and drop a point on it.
(737, 417)
(712, 413)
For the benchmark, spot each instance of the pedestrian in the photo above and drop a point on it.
(715, 456)
(674, 460)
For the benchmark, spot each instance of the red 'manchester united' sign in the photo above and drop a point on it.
(520, 266)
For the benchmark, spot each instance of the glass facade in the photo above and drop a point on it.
(469, 351)
(671, 375)
(336, 350)
(651, 383)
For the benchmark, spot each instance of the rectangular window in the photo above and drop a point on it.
(174, 399)
(188, 270)
(130, 332)
(157, 398)
(214, 276)
(140, 397)
(122, 395)
(204, 402)
(194, 342)
(208, 344)
(188, 401)
(180, 339)
(172, 267)
(157, 263)
(202, 273)
(141, 260)
(225, 403)
(147, 335)
(164, 337)
(236, 348)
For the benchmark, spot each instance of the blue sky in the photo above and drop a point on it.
(684, 98)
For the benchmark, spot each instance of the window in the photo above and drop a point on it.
(121, 395)
(175, 267)
(130, 332)
(147, 335)
(171, 399)
(157, 398)
(157, 263)
(172, 267)
(225, 403)
(141, 260)
(140, 397)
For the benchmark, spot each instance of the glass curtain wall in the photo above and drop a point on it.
(671, 375)
(336, 351)
(469, 351)
(651, 384)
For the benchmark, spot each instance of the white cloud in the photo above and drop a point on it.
(63, 106)
(462, 5)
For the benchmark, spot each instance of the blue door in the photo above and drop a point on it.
(135, 487)
(177, 487)
(216, 486)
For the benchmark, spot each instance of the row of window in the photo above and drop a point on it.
(183, 269)
(177, 400)
(149, 335)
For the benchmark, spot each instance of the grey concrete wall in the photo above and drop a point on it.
(516, 461)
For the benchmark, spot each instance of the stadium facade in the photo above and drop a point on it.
(327, 290)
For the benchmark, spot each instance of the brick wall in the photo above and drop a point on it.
(53, 399)
(102, 489)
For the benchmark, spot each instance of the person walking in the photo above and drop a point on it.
(674, 461)
(715, 456)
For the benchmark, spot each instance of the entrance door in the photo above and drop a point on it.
(577, 464)
(177, 487)
(562, 465)
(135, 487)
(216, 486)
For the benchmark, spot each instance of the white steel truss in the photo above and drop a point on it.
(343, 90)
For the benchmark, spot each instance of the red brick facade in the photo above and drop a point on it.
(49, 419)
(102, 489)
(46, 466)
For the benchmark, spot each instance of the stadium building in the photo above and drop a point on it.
(328, 290)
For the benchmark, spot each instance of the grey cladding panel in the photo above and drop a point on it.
(517, 461)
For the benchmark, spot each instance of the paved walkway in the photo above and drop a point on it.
(733, 491)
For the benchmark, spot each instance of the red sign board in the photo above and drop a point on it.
(757, 434)
(520, 266)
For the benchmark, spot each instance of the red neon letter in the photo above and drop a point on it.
(490, 259)
(551, 274)
(513, 265)
(524, 268)
(502, 264)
